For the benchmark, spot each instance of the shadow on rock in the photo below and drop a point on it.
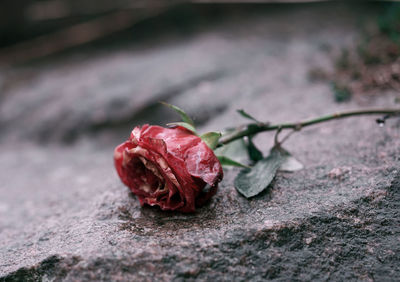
(153, 220)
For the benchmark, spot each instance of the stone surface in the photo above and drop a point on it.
(64, 214)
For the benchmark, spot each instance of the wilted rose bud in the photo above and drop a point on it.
(168, 167)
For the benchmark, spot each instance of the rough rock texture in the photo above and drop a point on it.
(64, 214)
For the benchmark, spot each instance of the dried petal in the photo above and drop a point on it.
(168, 167)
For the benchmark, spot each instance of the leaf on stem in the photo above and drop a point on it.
(254, 153)
(225, 161)
(183, 124)
(247, 115)
(211, 139)
(235, 150)
(184, 116)
(290, 163)
(251, 182)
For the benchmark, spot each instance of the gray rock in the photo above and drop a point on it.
(64, 215)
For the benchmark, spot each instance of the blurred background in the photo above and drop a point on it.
(73, 67)
(69, 23)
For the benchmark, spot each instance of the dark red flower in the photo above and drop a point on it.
(168, 167)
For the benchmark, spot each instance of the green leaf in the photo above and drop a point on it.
(211, 139)
(225, 161)
(290, 163)
(247, 115)
(251, 182)
(235, 150)
(184, 116)
(254, 153)
(183, 124)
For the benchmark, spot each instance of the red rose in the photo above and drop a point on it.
(168, 167)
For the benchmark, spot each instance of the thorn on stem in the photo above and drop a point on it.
(298, 127)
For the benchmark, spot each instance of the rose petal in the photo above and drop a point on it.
(202, 163)
(176, 157)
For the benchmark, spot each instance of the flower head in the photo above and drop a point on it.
(168, 167)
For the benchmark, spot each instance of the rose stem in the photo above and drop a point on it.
(255, 128)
